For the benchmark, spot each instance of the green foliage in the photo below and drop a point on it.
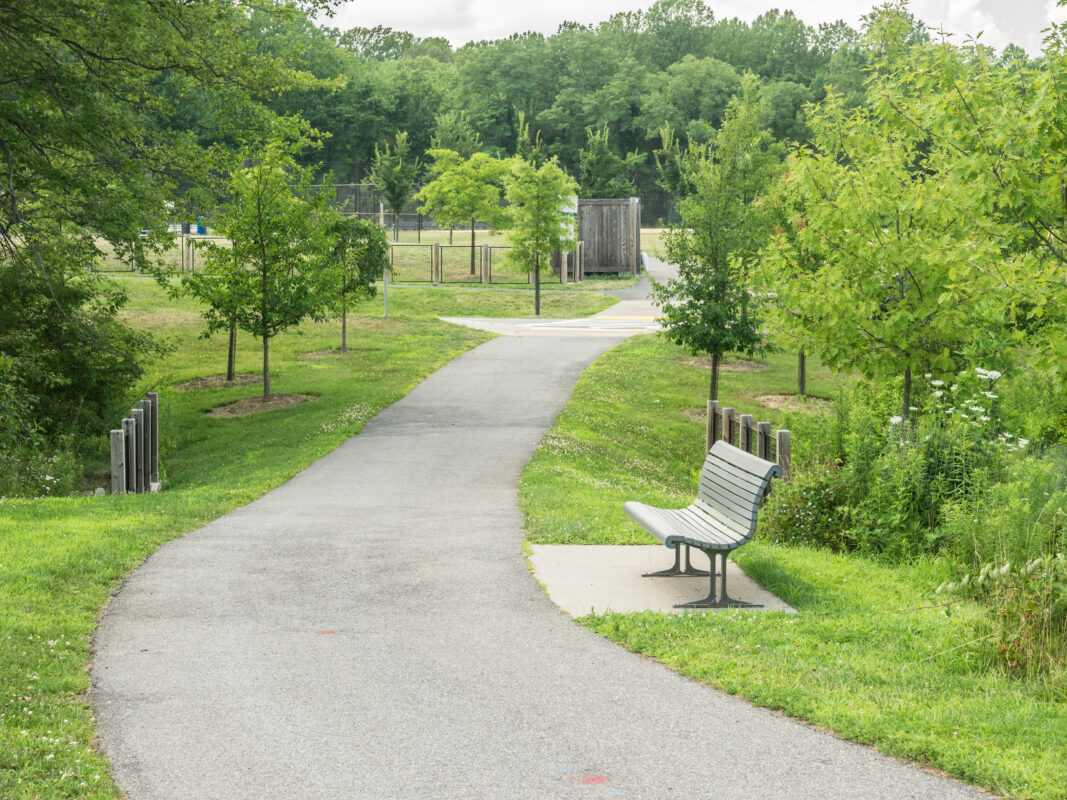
(360, 257)
(279, 227)
(536, 196)
(453, 131)
(464, 189)
(94, 142)
(394, 173)
(1029, 612)
(710, 307)
(604, 173)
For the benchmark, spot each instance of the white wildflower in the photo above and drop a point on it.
(895, 420)
(937, 383)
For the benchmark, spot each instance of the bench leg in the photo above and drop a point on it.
(724, 601)
(676, 570)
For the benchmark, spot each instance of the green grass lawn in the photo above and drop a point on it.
(870, 656)
(61, 558)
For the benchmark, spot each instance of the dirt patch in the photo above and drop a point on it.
(699, 414)
(257, 405)
(735, 365)
(218, 382)
(792, 402)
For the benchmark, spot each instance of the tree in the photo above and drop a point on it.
(360, 257)
(464, 189)
(605, 174)
(453, 131)
(93, 145)
(537, 196)
(908, 249)
(279, 226)
(394, 174)
(709, 307)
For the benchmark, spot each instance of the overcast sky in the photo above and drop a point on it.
(1000, 21)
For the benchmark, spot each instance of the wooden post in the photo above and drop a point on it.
(579, 262)
(485, 263)
(802, 374)
(711, 434)
(783, 455)
(763, 440)
(728, 425)
(435, 268)
(153, 429)
(747, 429)
(564, 265)
(146, 441)
(129, 442)
(118, 463)
(137, 439)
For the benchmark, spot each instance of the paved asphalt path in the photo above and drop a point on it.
(371, 630)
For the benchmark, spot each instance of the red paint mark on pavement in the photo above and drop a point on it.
(592, 780)
(328, 633)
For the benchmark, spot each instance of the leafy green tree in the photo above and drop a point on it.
(464, 189)
(605, 174)
(360, 257)
(393, 173)
(279, 225)
(537, 196)
(710, 307)
(691, 96)
(453, 131)
(94, 144)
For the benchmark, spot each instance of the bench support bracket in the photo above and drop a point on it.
(724, 601)
(677, 570)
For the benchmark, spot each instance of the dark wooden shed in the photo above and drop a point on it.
(610, 231)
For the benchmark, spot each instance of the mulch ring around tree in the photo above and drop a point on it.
(779, 402)
(257, 405)
(733, 365)
(218, 382)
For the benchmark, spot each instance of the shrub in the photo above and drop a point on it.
(1029, 612)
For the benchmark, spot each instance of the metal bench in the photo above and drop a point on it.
(733, 485)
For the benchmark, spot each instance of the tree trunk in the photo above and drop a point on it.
(713, 390)
(266, 367)
(231, 355)
(537, 285)
(802, 377)
(906, 413)
(344, 325)
(451, 230)
(472, 245)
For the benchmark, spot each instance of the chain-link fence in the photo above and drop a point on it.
(411, 263)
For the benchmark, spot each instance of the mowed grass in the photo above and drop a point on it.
(61, 558)
(871, 656)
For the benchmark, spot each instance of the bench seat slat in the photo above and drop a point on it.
(730, 506)
(718, 471)
(689, 525)
(739, 459)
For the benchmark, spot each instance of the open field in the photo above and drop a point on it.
(872, 655)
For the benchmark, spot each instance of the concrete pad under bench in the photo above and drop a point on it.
(595, 578)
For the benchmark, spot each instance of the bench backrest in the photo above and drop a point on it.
(734, 483)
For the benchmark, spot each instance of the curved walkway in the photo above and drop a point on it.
(370, 630)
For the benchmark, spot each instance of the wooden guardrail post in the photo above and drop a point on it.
(711, 432)
(747, 429)
(784, 455)
(435, 269)
(153, 431)
(137, 448)
(728, 425)
(129, 443)
(118, 462)
(485, 263)
(763, 440)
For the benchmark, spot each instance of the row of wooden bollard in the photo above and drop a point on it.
(135, 449)
(741, 430)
